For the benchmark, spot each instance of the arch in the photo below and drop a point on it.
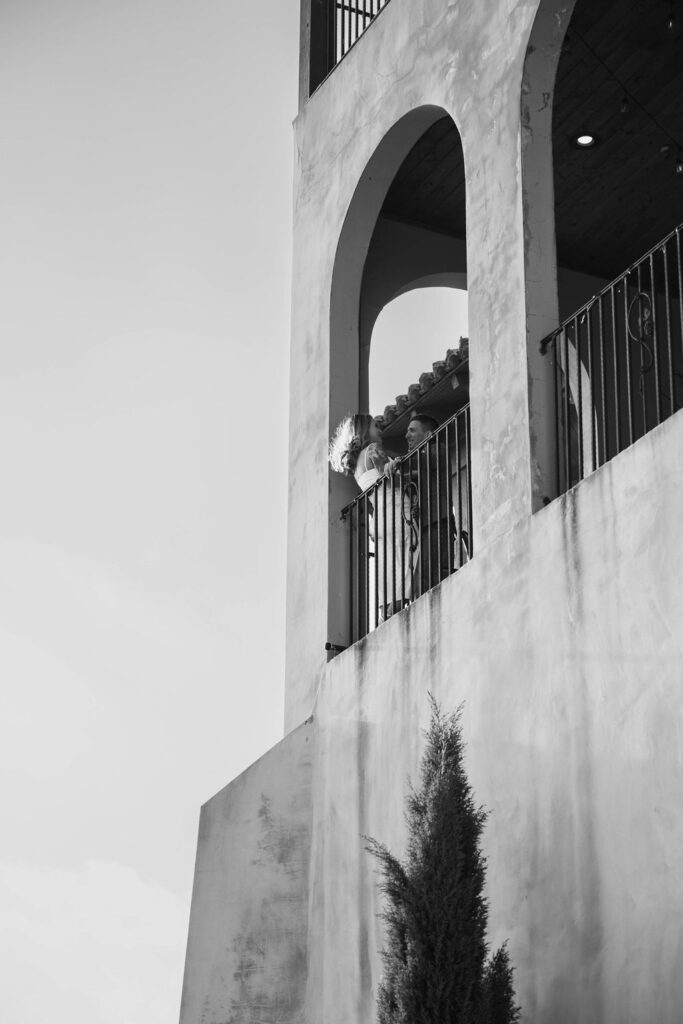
(352, 251)
(593, 212)
(444, 279)
(403, 257)
(371, 311)
(433, 309)
(353, 313)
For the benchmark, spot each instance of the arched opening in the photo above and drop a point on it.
(616, 135)
(419, 237)
(415, 240)
(412, 332)
(611, 145)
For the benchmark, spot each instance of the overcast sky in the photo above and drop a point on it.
(145, 194)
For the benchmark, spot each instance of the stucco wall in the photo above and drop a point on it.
(563, 637)
(247, 946)
(465, 59)
(564, 640)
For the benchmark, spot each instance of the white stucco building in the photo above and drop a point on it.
(437, 141)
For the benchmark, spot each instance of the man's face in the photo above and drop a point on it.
(415, 434)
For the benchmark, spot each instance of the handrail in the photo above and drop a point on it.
(618, 362)
(342, 23)
(410, 531)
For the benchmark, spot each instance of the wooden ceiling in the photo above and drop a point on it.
(620, 76)
(429, 188)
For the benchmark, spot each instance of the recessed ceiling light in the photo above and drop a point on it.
(584, 140)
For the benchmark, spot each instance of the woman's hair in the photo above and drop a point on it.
(348, 441)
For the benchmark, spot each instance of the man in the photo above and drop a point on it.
(425, 491)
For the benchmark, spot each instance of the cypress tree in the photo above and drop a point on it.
(436, 968)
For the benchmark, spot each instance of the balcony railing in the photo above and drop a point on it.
(411, 530)
(619, 363)
(336, 26)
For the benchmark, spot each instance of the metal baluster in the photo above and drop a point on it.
(655, 342)
(603, 395)
(428, 454)
(680, 284)
(367, 565)
(615, 353)
(641, 377)
(449, 496)
(567, 442)
(417, 524)
(375, 518)
(403, 534)
(468, 456)
(579, 394)
(383, 485)
(667, 304)
(458, 487)
(334, 5)
(393, 542)
(359, 569)
(351, 572)
(554, 345)
(591, 382)
(439, 503)
(428, 472)
(629, 394)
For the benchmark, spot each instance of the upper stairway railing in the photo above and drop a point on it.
(335, 26)
(619, 363)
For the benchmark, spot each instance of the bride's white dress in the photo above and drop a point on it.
(391, 533)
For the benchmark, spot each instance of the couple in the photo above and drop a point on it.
(403, 528)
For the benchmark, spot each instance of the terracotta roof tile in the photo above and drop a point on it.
(419, 391)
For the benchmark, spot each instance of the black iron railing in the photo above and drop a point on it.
(335, 26)
(619, 363)
(349, 22)
(411, 529)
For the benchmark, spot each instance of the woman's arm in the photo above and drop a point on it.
(376, 457)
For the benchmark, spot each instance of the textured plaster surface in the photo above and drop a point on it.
(465, 59)
(563, 641)
(247, 946)
(563, 638)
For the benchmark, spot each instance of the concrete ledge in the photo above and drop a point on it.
(247, 945)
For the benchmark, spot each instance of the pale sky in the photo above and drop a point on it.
(145, 212)
(411, 333)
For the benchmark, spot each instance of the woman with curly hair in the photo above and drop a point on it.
(356, 450)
